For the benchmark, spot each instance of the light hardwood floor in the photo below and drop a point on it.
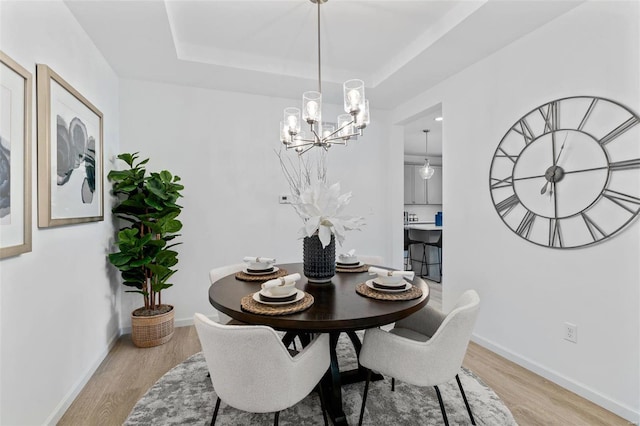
(128, 372)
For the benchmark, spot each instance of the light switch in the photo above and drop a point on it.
(284, 199)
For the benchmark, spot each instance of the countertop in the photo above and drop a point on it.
(425, 226)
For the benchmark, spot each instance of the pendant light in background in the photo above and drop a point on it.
(426, 171)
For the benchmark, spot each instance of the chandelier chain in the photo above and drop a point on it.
(319, 57)
(323, 134)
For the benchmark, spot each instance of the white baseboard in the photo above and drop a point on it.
(584, 391)
(68, 399)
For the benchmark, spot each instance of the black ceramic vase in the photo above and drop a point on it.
(319, 263)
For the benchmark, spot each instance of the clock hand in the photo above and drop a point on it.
(544, 188)
(555, 199)
(571, 172)
(546, 184)
(561, 148)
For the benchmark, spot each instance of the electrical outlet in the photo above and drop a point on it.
(284, 199)
(571, 332)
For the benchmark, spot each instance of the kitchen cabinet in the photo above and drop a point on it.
(421, 191)
(434, 186)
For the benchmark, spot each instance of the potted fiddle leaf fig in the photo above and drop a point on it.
(146, 259)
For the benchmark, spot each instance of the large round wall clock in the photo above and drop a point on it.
(567, 174)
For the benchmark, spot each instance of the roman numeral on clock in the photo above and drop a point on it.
(506, 205)
(501, 183)
(619, 130)
(504, 154)
(550, 117)
(524, 229)
(625, 165)
(524, 131)
(623, 200)
(593, 228)
(555, 235)
(587, 114)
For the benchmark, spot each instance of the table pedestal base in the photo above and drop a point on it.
(334, 379)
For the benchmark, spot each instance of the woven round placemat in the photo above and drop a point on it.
(243, 276)
(413, 293)
(248, 304)
(363, 268)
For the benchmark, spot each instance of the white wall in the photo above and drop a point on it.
(59, 311)
(528, 291)
(222, 145)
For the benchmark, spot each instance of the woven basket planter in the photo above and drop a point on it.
(152, 330)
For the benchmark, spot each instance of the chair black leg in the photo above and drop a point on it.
(424, 265)
(215, 412)
(275, 419)
(473, 422)
(393, 384)
(444, 413)
(364, 397)
(322, 405)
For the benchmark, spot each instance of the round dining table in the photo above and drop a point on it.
(336, 308)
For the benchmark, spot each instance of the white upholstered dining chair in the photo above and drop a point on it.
(424, 349)
(253, 371)
(216, 273)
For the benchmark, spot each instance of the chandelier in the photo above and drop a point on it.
(324, 134)
(426, 171)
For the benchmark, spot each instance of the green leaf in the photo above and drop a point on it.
(128, 158)
(153, 203)
(165, 176)
(173, 226)
(118, 259)
(118, 174)
(140, 262)
(157, 188)
(127, 188)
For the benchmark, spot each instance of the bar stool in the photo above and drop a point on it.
(407, 251)
(415, 237)
(438, 244)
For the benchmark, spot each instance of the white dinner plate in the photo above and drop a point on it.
(267, 293)
(348, 265)
(275, 269)
(400, 289)
(299, 296)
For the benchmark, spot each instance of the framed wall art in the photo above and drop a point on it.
(70, 163)
(15, 158)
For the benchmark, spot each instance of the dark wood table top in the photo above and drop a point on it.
(336, 307)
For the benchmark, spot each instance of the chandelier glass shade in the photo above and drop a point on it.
(320, 133)
(426, 171)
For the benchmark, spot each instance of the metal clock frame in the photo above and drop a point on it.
(550, 114)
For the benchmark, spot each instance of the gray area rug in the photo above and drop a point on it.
(185, 396)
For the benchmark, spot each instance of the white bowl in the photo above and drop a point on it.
(282, 290)
(389, 280)
(347, 259)
(259, 266)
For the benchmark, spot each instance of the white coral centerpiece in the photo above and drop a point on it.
(318, 204)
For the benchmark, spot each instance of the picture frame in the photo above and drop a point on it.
(15, 157)
(70, 153)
